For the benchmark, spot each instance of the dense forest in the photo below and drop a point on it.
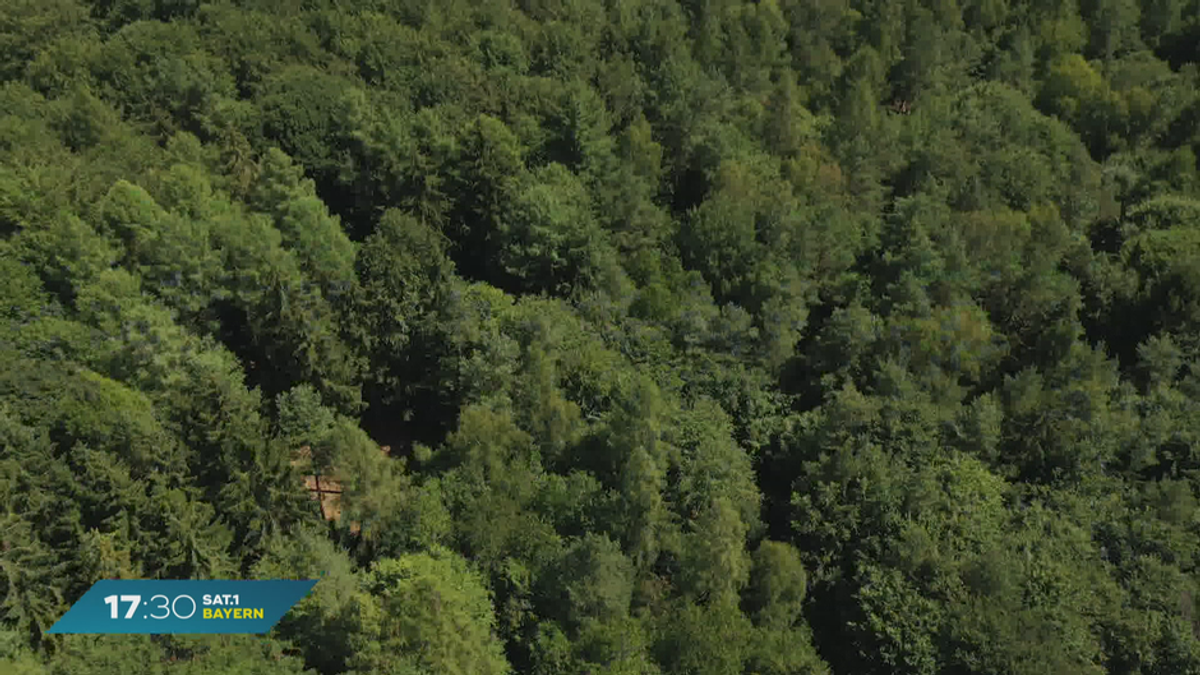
(640, 337)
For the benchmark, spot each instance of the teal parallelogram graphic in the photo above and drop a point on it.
(179, 606)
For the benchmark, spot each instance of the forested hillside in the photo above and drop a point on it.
(641, 337)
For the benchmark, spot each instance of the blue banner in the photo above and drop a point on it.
(161, 607)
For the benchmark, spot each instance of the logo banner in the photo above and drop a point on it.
(168, 606)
